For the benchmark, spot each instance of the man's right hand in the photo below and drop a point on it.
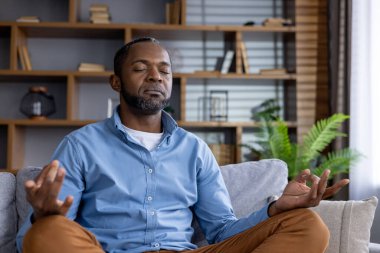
(42, 193)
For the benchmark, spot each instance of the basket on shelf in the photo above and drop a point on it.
(224, 153)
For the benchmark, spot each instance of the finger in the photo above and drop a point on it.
(313, 194)
(66, 205)
(53, 170)
(43, 194)
(330, 191)
(30, 188)
(323, 183)
(56, 186)
(302, 177)
(45, 171)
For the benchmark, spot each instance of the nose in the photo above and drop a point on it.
(154, 75)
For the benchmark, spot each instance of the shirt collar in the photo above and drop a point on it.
(168, 123)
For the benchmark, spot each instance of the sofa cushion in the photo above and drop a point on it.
(8, 216)
(349, 223)
(250, 185)
(22, 204)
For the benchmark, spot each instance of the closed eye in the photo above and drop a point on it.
(139, 70)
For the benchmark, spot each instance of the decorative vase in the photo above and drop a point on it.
(37, 104)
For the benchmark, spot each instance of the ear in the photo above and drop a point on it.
(115, 82)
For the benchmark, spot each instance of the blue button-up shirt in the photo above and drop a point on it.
(135, 200)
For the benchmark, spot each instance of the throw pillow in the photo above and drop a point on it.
(349, 223)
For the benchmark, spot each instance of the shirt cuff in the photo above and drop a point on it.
(259, 216)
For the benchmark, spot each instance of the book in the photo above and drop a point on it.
(91, 67)
(21, 58)
(219, 63)
(238, 56)
(28, 19)
(173, 12)
(99, 7)
(227, 60)
(182, 19)
(244, 56)
(25, 53)
(279, 71)
(99, 14)
(277, 22)
(100, 21)
(168, 7)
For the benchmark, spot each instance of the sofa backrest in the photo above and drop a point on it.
(251, 185)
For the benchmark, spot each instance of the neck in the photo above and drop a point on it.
(134, 119)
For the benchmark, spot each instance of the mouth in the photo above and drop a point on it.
(154, 92)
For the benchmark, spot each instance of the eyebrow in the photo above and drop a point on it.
(164, 63)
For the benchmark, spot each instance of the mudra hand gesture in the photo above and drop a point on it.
(297, 194)
(42, 193)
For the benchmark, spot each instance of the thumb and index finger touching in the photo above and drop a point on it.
(322, 189)
(43, 191)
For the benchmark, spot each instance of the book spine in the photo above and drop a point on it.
(28, 63)
(21, 58)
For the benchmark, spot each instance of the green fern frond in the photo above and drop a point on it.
(321, 135)
(338, 162)
(279, 141)
(292, 161)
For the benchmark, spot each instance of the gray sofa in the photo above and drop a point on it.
(250, 184)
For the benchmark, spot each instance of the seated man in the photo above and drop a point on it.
(132, 182)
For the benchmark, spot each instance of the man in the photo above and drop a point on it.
(133, 182)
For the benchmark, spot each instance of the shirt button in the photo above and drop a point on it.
(150, 198)
(152, 213)
(150, 171)
(156, 245)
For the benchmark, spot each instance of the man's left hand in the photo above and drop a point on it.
(297, 194)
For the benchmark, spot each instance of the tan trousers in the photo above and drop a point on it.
(296, 231)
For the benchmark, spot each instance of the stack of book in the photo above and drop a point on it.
(91, 67)
(224, 64)
(176, 12)
(23, 55)
(277, 22)
(242, 64)
(279, 71)
(28, 19)
(99, 14)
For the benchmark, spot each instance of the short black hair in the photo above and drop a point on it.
(122, 53)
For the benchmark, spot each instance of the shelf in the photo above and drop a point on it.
(79, 123)
(48, 122)
(201, 74)
(117, 30)
(144, 26)
(257, 28)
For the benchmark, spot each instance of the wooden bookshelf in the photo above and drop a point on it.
(306, 52)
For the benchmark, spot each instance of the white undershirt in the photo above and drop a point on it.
(149, 140)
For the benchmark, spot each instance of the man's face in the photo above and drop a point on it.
(146, 80)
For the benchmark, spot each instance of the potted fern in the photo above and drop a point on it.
(273, 141)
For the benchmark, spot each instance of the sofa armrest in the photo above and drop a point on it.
(22, 205)
(374, 248)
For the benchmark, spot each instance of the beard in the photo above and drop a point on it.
(146, 105)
